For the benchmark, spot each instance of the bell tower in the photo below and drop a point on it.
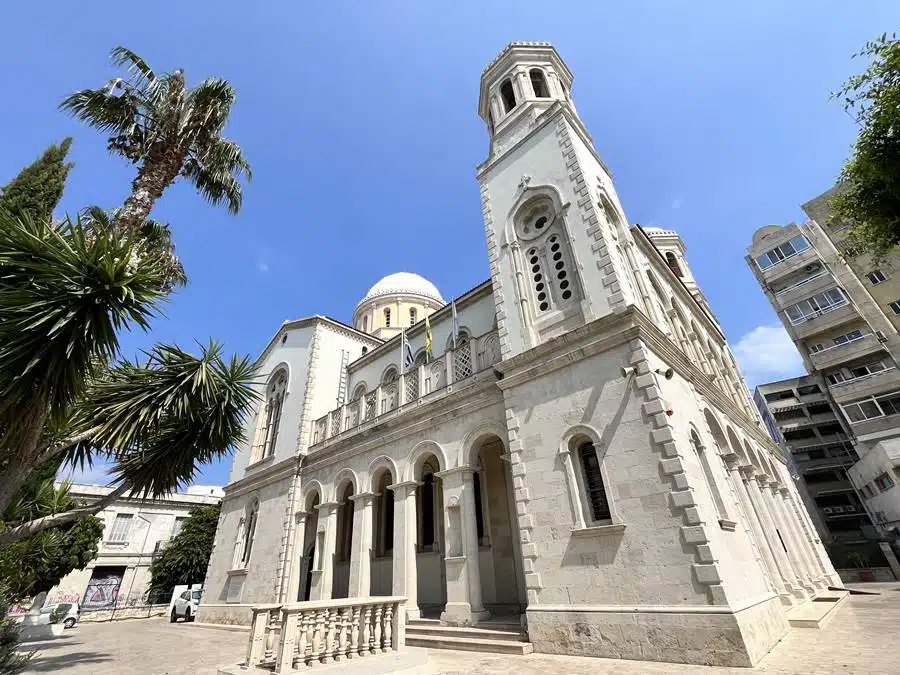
(553, 222)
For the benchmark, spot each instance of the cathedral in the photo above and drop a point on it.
(568, 445)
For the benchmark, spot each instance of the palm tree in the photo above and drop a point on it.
(67, 290)
(168, 130)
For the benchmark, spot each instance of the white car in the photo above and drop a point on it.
(65, 613)
(185, 606)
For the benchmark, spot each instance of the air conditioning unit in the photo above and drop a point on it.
(827, 510)
(811, 267)
(837, 509)
(849, 509)
(881, 336)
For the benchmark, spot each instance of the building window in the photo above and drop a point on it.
(816, 305)
(818, 347)
(884, 482)
(428, 511)
(387, 317)
(267, 433)
(895, 306)
(848, 337)
(783, 252)
(709, 476)
(365, 350)
(876, 277)
(672, 262)
(412, 315)
(365, 326)
(870, 408)
(595, 490)
(479, 506)
(508, 96)
(538, 83)
(176, 528)
(249, 534)
(121, 527)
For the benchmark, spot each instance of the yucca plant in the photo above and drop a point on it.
(67, 291)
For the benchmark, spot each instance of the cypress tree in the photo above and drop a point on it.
(37, 189)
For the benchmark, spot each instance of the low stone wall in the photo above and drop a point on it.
(228, 614)
(142, 612)
(698, 635)
(853, 576)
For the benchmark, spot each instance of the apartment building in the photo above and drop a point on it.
(842, 311)
(818, 447)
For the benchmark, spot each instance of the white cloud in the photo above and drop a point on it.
(262, 266)
(676, 204)
(767, 353)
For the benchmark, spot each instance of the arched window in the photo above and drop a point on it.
(270, 418)
(657, 300)
(365, 326)
(387, 317)
(429, 496)
(359, 392)
(595, 490)
(345, 525)
(672, 261)
(365, 350)
(508, 96)
(708, 476)
(384, 528)
(249, 534)
(412, 315)
(538, 83)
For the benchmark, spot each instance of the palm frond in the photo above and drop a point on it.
(141, 73)
(215, 173)
(64, 296)
(101, 110)
(207, 107)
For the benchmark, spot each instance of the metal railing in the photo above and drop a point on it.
(302, 635)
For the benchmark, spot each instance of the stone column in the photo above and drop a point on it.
(768, 528)
(761, 544)
(464, 605)
(296, 565)
(804, 548)
(776, 506)
(326, 535)
(361, 546)
(812, 536)
(404, 580)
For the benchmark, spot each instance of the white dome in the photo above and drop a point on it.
(404, 283)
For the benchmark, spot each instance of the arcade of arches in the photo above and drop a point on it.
(445, 539)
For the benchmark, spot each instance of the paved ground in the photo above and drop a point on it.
(860, 640)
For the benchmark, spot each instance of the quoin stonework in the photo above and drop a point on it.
(577, 453)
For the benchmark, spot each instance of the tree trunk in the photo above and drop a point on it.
(152, 178)
(22, 454)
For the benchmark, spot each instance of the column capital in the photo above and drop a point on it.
(785, 492)
(363, 497)
(301, 516)
(405, 484)
(456, 470)
(747, 470)
(328, 507)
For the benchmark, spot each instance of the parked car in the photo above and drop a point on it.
(185, 606)
(66, 613)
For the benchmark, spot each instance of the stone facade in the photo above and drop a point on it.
(576, 450)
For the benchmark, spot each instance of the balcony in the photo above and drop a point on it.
(810, 465)
(809, 286)
(822, 321)
(420, 384)
(833, 356)
(829, 487)
(882, 382)
(790, 265)
(876, 425)
(842, 511)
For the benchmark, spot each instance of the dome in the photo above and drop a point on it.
(404, 283)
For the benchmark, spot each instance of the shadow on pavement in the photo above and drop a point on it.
(56, 664)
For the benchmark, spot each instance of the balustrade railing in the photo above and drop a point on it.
(451, 367)
(305, 634)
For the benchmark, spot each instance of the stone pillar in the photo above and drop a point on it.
(464, 605)
(770, 534)
(404, 581)
(323, 565)
(812, 536)
(776, 507)
(762, 545)
(361, 546)
(296, 565)
(804, 552)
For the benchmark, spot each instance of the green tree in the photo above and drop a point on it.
(11, 660)
(869, 198)
(168, 130)
(39, 187)
(185, 559)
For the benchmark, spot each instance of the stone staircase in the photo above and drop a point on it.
(497, 636)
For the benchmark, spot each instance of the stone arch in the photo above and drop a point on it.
(359, 391)
(344, 476)
(286, 367)
(312, 490)
(471, 442)
(577, 430)
(465, 335)
(377, 466)
(736, 446)
(390, 374)
(719, 438)
(417, 456)
(532, 193)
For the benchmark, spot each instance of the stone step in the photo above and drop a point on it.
(475, 632)
(466, 644)
(816, 612)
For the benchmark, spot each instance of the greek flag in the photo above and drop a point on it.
(455, 324)
(407, 352)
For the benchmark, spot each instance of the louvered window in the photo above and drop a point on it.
(593, 483)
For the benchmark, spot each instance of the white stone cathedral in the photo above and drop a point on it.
(577, 451)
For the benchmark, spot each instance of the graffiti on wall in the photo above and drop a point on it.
(101, 593)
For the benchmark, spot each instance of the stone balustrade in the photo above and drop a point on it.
(451, 367)
(305, 634)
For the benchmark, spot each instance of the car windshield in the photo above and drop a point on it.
(196, 595)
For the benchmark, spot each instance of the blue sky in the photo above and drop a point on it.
(360, 121)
